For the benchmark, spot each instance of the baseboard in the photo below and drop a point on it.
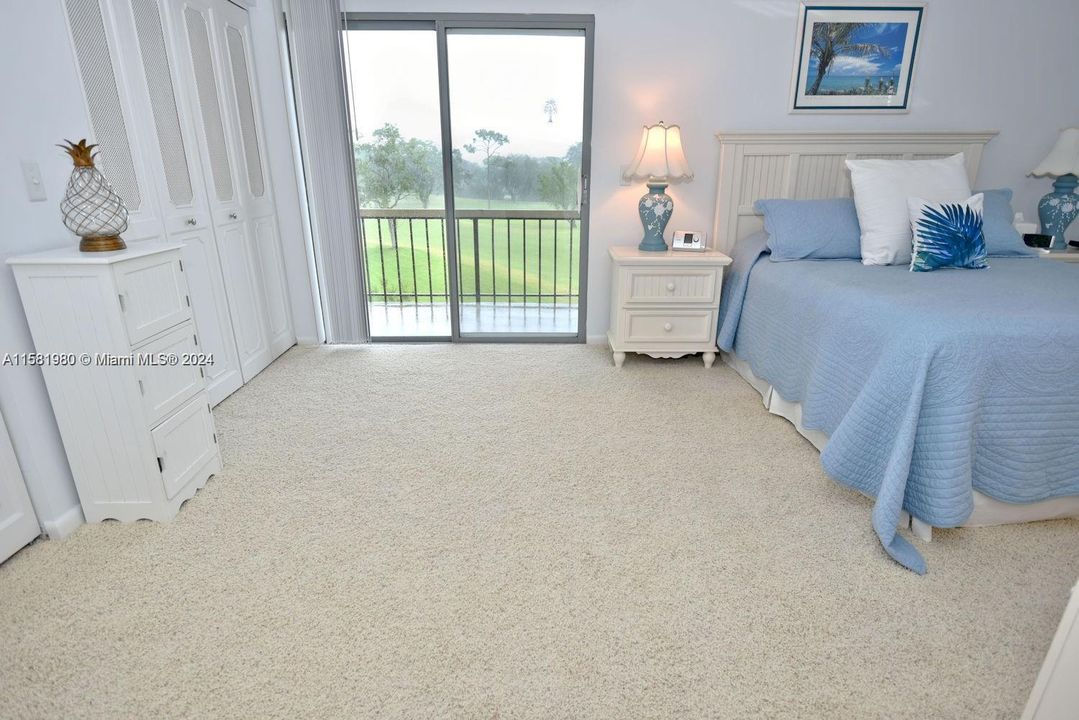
(307, 341)
(68, 522)
(596, 339)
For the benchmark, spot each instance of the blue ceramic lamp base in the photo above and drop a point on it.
(1058, 209)
(655, 208)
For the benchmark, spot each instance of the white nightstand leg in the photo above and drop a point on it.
(709, 358)
(619, 358)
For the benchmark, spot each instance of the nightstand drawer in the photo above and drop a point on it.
(671, 285)
(659, 326)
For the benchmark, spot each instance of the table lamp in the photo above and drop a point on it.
(659, 161)
(1059, 208)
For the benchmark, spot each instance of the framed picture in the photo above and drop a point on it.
(855, 57)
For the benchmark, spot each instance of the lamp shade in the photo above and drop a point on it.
(660, 156)
(1063, 159)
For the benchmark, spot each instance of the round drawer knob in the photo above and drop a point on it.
(670, 286)
(668, 327)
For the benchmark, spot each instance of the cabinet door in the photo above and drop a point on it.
(245, 121)
(184, 444)
(18, 525)
(245, 305)
(209, 301)
(153, 294)
(165, 387)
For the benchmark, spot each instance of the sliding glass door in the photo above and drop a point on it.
(393, 91)
(498, 109)
(517, 115)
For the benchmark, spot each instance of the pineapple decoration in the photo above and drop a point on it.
(92, 209)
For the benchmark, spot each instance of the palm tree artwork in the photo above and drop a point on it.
(832, 40)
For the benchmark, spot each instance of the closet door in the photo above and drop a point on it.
(18, 524)
(233, 39)
(107, 89)
(174, 160)
(193, 21)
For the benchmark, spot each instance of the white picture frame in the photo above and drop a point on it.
(875, 75)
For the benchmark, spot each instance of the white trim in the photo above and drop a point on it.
(754, 166)
(62, 526)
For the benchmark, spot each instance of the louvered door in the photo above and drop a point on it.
(232, 35)
(193, 22)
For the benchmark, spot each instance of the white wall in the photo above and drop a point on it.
(726, 65)
(43, 105)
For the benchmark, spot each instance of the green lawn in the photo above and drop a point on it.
(509, 258)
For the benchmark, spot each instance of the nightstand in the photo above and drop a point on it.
(665, 304)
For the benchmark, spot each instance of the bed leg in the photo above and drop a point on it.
(922, 530)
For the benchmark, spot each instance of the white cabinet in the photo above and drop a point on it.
(665, 304)
(133, 412)
(18, 525)
(173, 104)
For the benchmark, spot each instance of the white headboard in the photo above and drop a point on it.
(806, 166)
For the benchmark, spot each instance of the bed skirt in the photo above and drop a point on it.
(987, 510)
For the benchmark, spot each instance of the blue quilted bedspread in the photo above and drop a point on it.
(927, 384)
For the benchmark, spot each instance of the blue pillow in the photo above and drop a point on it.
(1001, 237)
(948, 234)
(816, 229)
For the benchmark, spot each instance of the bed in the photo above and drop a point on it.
(951, 397)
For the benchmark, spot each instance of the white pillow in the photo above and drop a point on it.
(881, 189)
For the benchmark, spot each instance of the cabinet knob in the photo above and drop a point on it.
(670, 286)
(233, 216)
(192, 222)
(667, 327)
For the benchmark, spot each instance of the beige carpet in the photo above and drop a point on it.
(508, 531)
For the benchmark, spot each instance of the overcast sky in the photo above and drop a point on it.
(499, 82)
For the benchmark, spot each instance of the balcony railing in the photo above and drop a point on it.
(506, 257)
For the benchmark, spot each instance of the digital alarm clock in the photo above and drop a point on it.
(688, 240)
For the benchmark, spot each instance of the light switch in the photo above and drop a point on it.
(31, 174)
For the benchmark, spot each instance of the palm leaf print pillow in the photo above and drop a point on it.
(947, 234)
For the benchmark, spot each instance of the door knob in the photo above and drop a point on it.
(233, 216)
(192, 221)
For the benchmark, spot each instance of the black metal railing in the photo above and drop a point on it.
(504, 256)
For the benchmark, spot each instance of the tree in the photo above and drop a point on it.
(487, 143)
(558, 184)
(549, 109)
(424, 167)
(833, 39)
(519, 174)
(382, 168)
